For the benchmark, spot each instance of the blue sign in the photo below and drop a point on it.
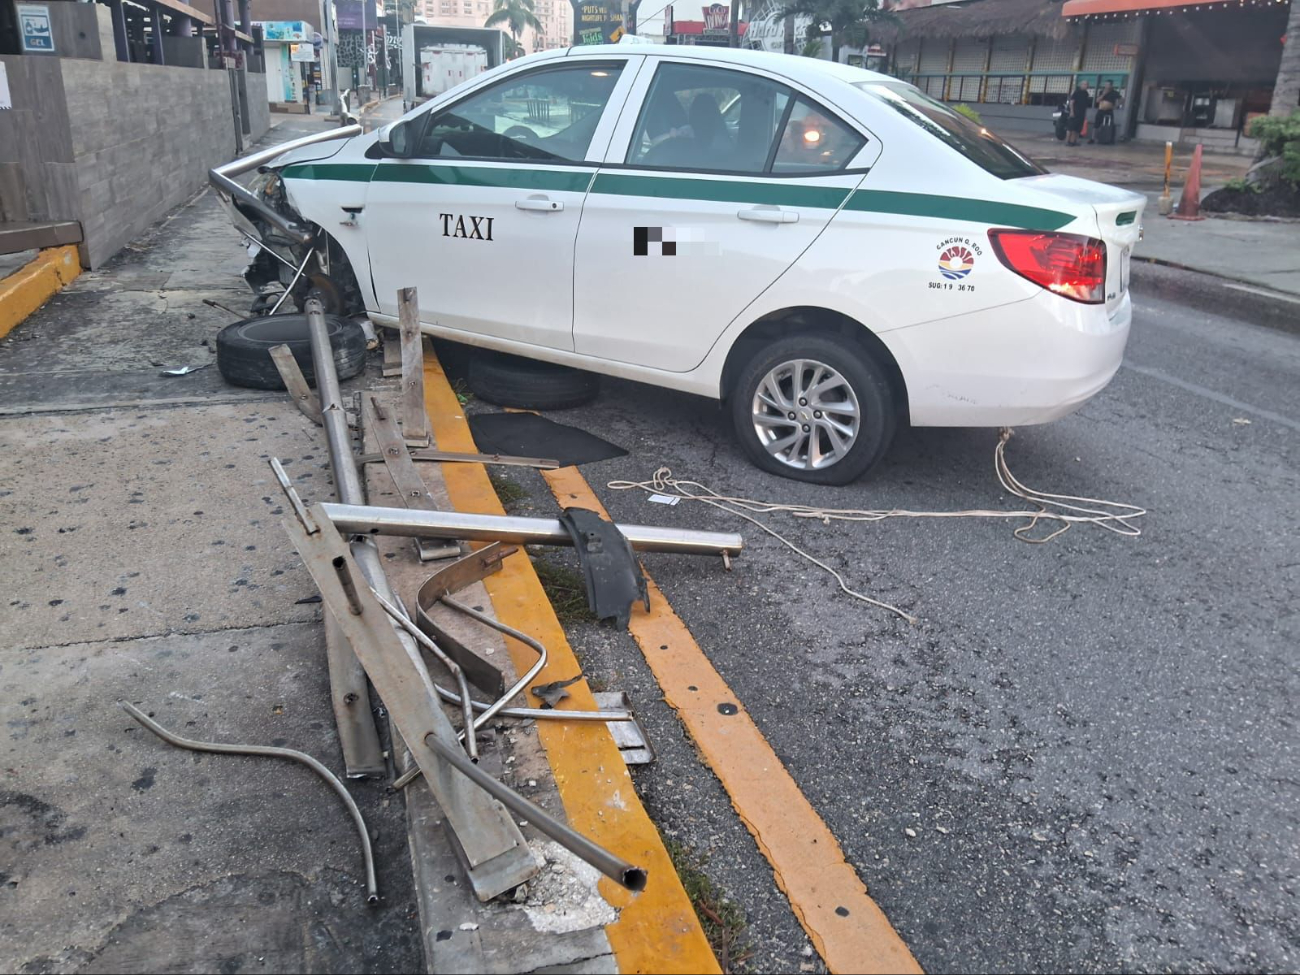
(34, 23)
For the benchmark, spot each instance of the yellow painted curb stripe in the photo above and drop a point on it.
(657, 930)
(848, 930)
(22, 292)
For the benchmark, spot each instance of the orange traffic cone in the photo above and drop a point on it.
(1189, 205)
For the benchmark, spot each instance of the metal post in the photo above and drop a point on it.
(415, 424)
(157, 22)
(358, 735)
(329, 58)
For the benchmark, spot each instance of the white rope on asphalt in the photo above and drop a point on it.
(1065, 509)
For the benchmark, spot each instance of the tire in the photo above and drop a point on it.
(453, 356)
(244, 349)
(508, 380)
(861, 379)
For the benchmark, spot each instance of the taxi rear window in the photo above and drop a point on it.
(973, 141)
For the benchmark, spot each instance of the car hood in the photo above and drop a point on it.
(318, 150)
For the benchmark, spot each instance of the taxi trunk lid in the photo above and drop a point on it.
(1118, 216)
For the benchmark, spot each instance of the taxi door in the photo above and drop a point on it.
(716, 180)
(482, 215)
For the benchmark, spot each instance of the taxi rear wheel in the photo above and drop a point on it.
(814, 409)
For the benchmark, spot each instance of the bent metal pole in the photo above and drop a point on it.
(365, 519)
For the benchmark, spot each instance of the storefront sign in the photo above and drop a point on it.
(302, 52)
(284, 31)
(717, 19)
(1126, 50)
(595, 23)
(34, 23)
(356, 14)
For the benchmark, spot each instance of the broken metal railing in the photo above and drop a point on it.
(372, 633)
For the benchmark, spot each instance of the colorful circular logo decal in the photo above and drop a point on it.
(956, 262)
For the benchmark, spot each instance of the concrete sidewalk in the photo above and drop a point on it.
(1263, 253)
(143, 561)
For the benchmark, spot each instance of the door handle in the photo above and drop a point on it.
(768, 214)
(544, 203)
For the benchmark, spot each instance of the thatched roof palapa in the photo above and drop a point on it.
(976, 18)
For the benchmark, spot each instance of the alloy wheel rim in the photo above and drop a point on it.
(806, 415)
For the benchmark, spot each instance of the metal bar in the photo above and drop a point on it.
(617, 869)
(358, 735)
(410, 486)
(363, 519)
(362, 755)
(392, 355)
(296, 383)
(466, 702)
(415, 421)
(497, 856)
(238, 167)
(347, 481)
(509, 631)
(531, 714)
(372, 891)
(293, 283)
(453, 457)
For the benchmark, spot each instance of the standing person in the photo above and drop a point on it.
(1080, 102)
(1107, 102)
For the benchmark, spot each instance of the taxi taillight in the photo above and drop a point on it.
(1070, 265)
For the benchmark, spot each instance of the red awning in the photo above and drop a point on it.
(697, 27)
(1093, 8)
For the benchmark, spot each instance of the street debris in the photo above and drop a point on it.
(565, 896)
(1062, 510)
(372, 891)
(183, 370)
(553, 693)
(373, 639)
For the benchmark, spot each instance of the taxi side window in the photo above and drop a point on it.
(545, 116)
(813, 141)
(710, 119)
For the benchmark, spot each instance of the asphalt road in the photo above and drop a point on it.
(1093, 740)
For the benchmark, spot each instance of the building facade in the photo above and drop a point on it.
(555, 16)
(1187, 71)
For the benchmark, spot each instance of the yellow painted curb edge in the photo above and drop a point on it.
(657, 930)
(22, 292)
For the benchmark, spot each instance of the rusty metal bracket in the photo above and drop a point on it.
(294, 381)
(452, 578)
(415, 421)
(406, 479)
(455, 457)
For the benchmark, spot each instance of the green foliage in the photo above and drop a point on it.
(515, 14)
(722, 919)
(812, 48)
(1241, 186)
(507, 490)
(850, 20)
(970, 113)
(566, 591)
(1280, 136)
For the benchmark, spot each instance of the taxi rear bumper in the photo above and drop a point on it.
(1030, 362)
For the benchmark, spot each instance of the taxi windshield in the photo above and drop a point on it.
(972, 140)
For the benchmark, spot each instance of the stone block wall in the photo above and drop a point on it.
(143, 139)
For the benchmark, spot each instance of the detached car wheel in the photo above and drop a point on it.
(244, 349)
(510, 380)
(814, 409)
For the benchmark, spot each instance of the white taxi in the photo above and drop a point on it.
(827, 249)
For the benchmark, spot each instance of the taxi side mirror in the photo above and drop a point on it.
(397, 139)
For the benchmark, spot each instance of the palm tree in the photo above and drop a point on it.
(1286, 92)
(517, 15)
(849, 20)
